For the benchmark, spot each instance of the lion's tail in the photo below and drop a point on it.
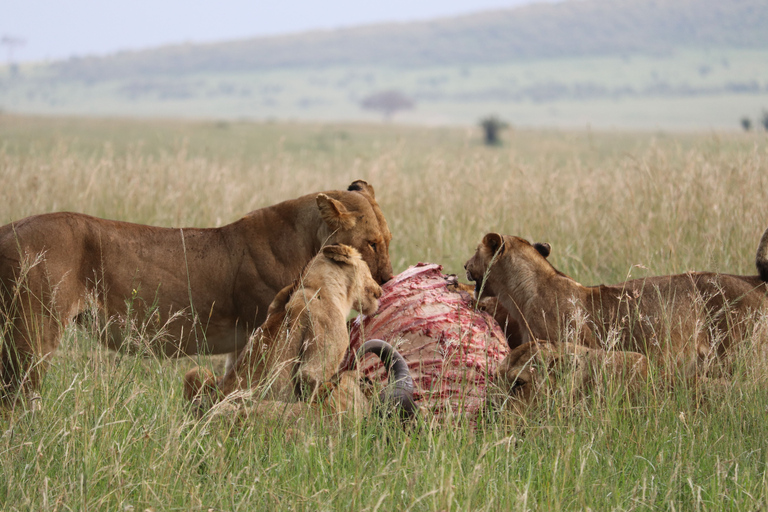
(400, 392)
(761, 260)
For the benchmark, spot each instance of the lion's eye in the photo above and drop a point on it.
(372, 245)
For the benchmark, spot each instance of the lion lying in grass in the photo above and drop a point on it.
(292, 361)
(205, 290)
(684, 321)
(539, 368)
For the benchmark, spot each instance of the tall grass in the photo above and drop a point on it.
(114, 434)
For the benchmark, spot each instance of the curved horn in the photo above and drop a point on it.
(400, 393)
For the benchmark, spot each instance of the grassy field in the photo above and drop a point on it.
(113, 432)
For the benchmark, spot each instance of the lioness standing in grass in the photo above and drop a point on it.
(206, 289)
(685, 319)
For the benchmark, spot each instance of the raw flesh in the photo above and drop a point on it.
(451, 347)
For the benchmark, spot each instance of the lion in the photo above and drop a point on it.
(686, 320)
(205, 289)
(538, 368)
(295, 356)
(341, 397)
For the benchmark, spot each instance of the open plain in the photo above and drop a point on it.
(113, 432)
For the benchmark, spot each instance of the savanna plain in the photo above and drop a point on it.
(113, 432)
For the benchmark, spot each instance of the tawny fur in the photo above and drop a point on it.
(298, 350)
(209, 288)
(684, 319)
(537, 368)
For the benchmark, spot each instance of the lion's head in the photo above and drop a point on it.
(354, 218)
(498, 253)
(362, 291)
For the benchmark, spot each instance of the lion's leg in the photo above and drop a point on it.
(346, 398)
(238, 412)
(201, 389)
(341, 398)
(17, 359)
(28, 342)
(319, 362)
(36, 308)
(231, 360)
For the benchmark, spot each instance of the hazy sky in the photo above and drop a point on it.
(55, 29)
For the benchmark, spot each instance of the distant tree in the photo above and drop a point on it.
(12, 43)
(746, 123)
(387, 102)
(492, 126)
(764, 120)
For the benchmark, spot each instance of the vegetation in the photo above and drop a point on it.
(538, 31)
(638, 92)
(113, 432)
(630, 63)
(492, 127)
(387, 102)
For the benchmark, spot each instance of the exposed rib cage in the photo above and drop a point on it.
(450, 347)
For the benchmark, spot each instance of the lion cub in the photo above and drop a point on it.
(296, 352)
(686, 319)
(537, 369)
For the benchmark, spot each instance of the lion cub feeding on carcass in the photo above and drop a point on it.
(685, 319)
(294, 357)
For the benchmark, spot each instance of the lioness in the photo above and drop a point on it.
(686, 318)
(537, 368)
(296, 353)
(208, 288)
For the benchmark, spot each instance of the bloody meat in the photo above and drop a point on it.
(451, 347)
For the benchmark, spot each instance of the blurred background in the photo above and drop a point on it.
(634, 64)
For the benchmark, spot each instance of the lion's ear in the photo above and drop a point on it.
(362, 186)
(280, 301)
(543, 248)
(494, 242)
(334, 213)
(339, 253)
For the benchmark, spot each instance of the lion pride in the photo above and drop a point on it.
(207, 288)
(684, 319)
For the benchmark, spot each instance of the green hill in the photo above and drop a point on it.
(567, 29)
(634, 63)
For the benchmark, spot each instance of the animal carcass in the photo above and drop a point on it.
(451, 347)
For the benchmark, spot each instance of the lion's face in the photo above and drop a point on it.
(484, 266)
(369, 298)
(477, 270)
(367, 290)
(354, 218)
(363, 291)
